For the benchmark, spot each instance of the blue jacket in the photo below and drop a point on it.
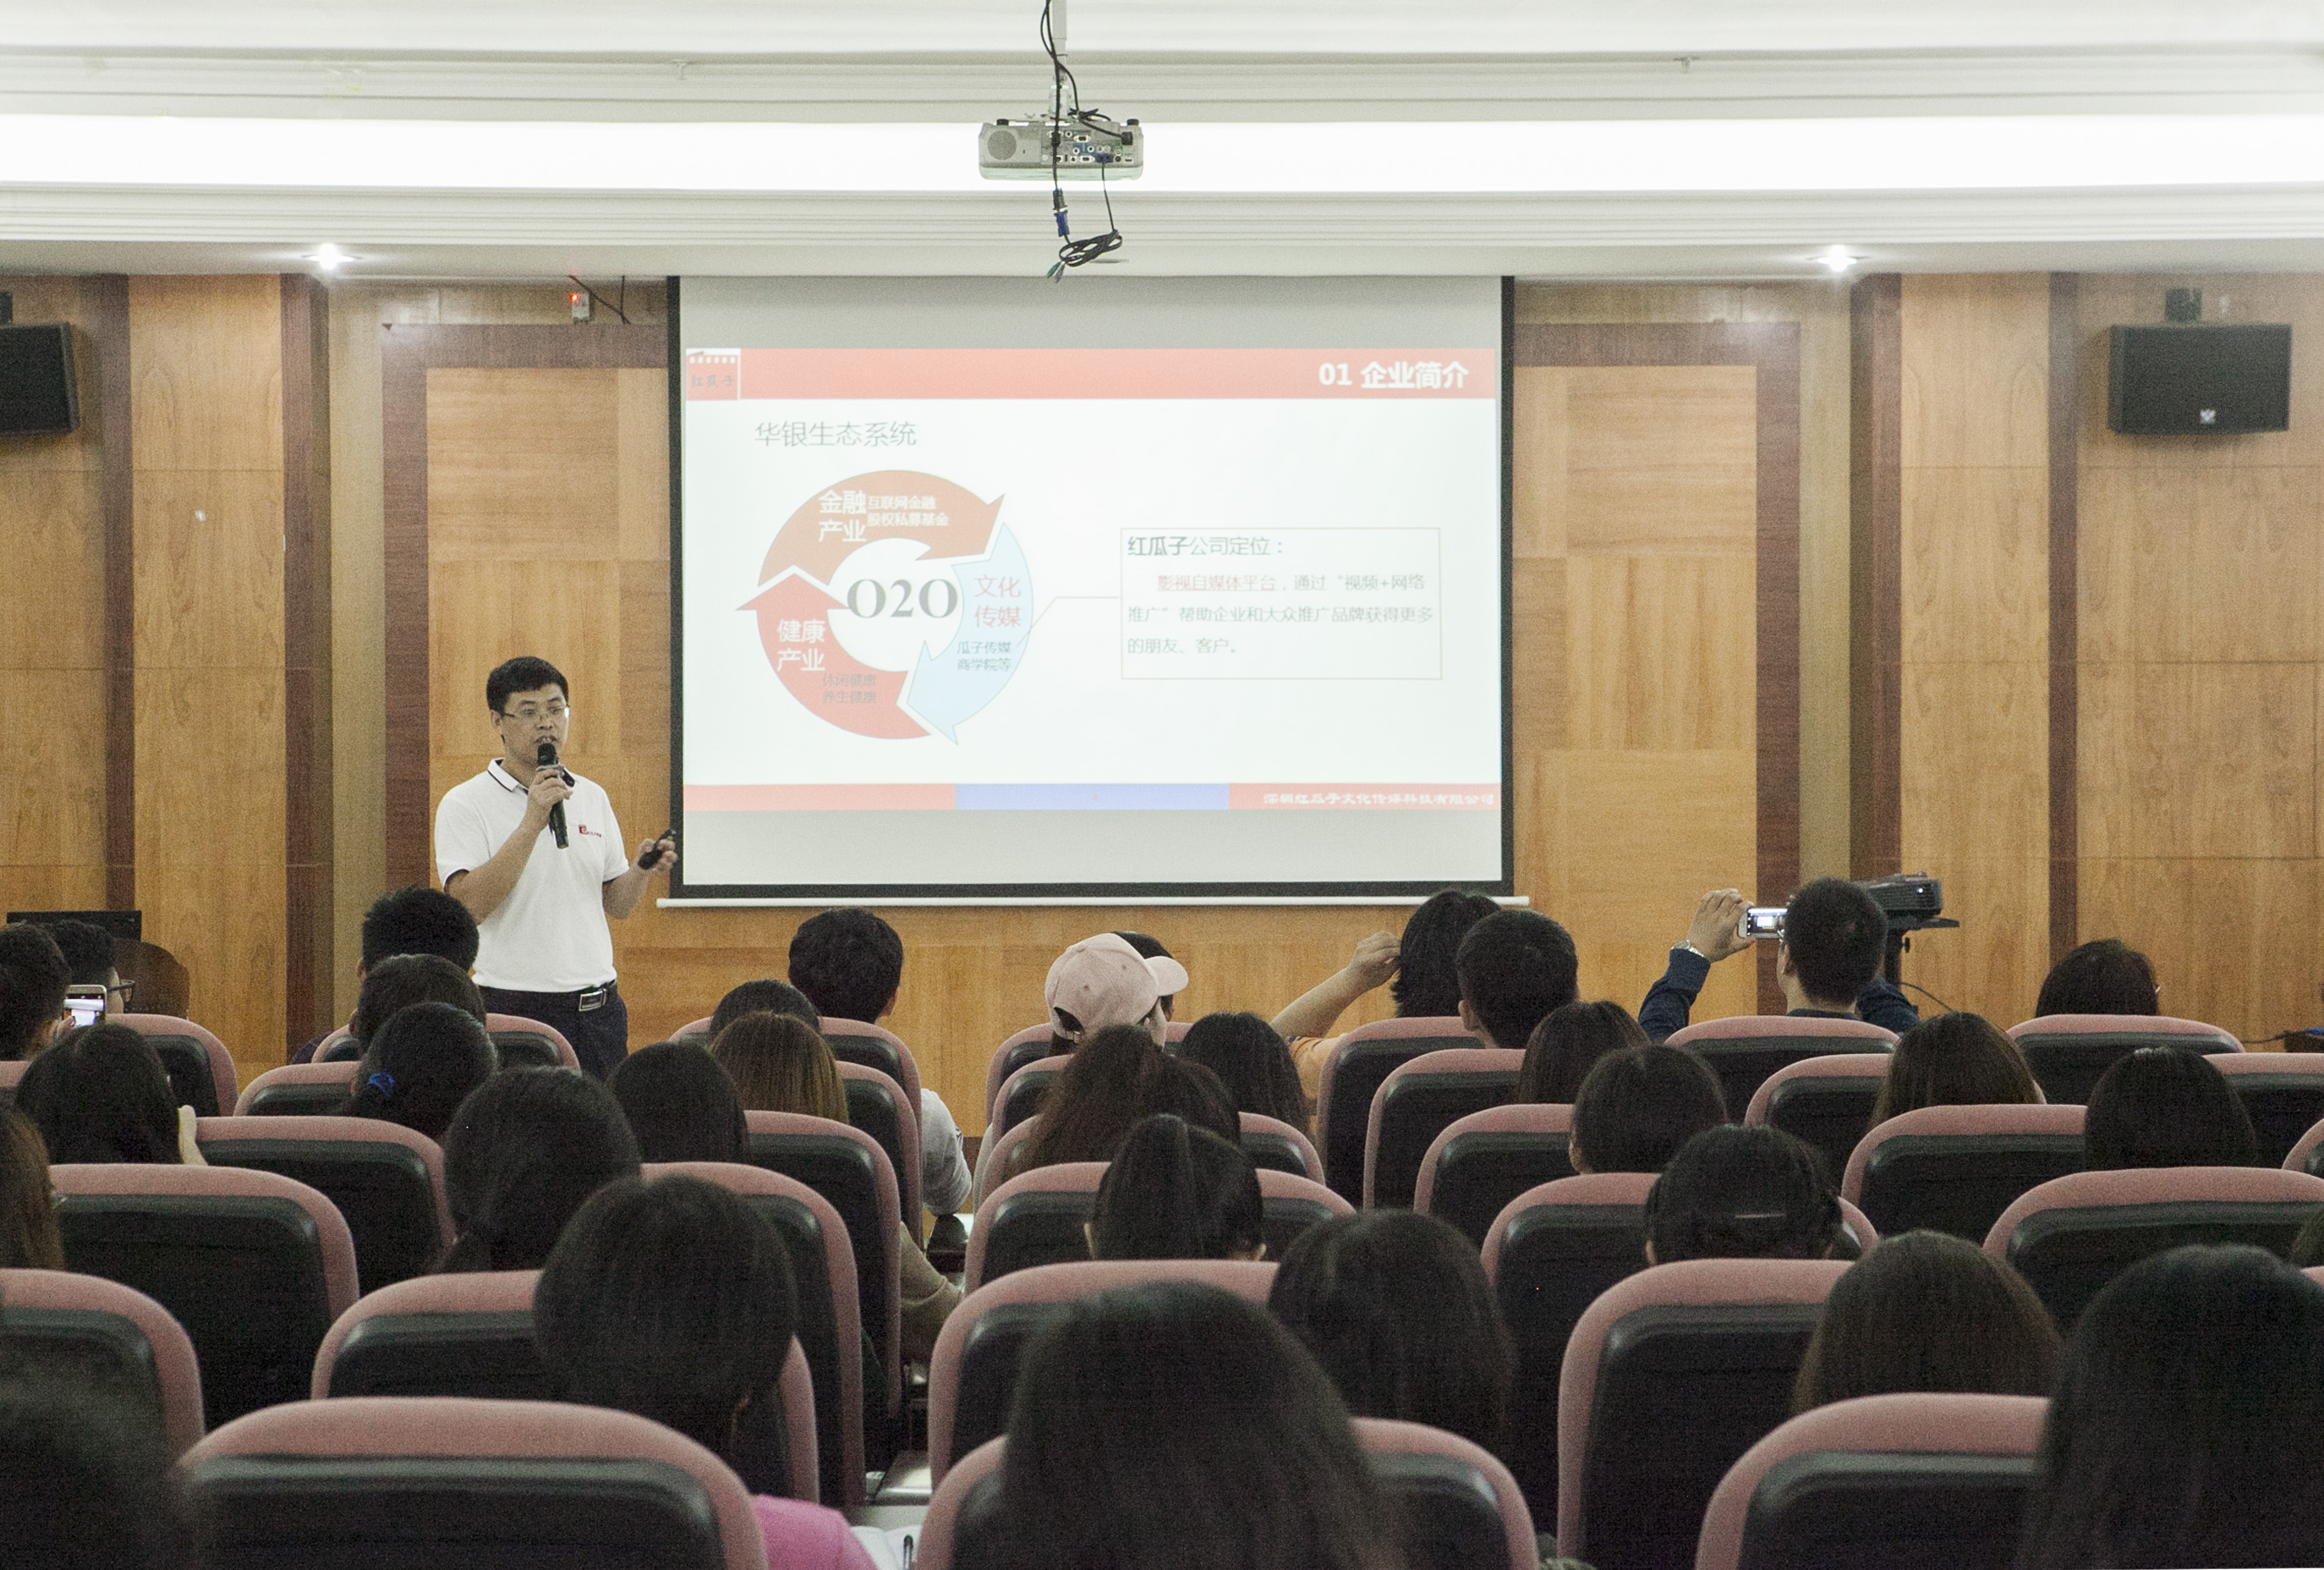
(1670, 999)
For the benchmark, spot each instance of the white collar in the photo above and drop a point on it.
(502, 778)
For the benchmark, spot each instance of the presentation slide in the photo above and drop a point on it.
(991, 588)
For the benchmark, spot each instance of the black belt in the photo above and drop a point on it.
(585, 1000)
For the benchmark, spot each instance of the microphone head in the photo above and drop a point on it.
(544, 755)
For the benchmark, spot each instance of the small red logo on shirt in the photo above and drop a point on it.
(585, 828)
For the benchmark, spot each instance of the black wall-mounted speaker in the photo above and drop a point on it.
(37, 397)
(2215, 378)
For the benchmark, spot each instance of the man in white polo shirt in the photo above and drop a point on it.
(543, 949)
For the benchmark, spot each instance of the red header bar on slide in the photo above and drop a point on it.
(1082, 374)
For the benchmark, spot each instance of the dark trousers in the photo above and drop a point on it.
(600, 1037)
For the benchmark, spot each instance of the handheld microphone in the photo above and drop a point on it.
(545, 758)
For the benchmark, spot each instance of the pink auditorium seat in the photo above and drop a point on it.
(2069, 1052)
(386, 1180)
(93, 1319)
(877, 1105)
(1032, 1044)
(1272, 1143)
(874, 1046)
(992, 1159)
(1459, 1505)
(830, 1330)
(973, 1374)
(2307, 1153)
(1477, 1164)
(523, 1043)
(1417, 1100)
(446, 1480)
(1353, 1071)
(1020, 1095)
(1670, 1377)
(1743, 1050)
(2284, 1092)
(1036, 1218)
(1955, 1169)
(297, 1089)
(201, 1069)
(255, 1266)
(1912, 1482)
(2070, 1236)
(1826, 1101)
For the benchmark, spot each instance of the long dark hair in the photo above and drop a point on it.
(1954, 1060)
(1093, 1100)
(1176, 1193)
(524, 1151)
(1252, 1062)
(28, 1204)
(2165, 1106)
(1425, 985)
(2188, 1426)
(420, 1065)
(681, 1104)
(1178, 1427)
(1395, 1307)
(1742, 1193)
(1568, 1043)
(1925, 1311)
(100, 1094)
(2106, 976)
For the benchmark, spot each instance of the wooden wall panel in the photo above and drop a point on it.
(1973, 609)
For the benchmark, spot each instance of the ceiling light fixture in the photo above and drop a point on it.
(1837, 259)
(330, 257)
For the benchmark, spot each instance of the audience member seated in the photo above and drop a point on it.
(1516, 968)
(681, 1104)
(674, 1300)
(1568, 1044)
(1742, 1193)
(2106, 976)
(1103, 982)
(761, 997)
(32, 982)
(86, 1477)
(1177, 1193)
(414, 920)
(87, 949)
(1954, 1060)
(849, 964)
(28, 1205)
(2188, 1423)
(420, 1065)
(779, 1063)
(1637, 1107)
(524, 1151)
(1117, 1076)
(1927, 1312)
(101, 1095)
(1252, 1062)
(1828, 960)
(1151, 948)
(1397, 1309)
(1179, 1425)
(1425, 985)
(2163, 1106)
(393, 985)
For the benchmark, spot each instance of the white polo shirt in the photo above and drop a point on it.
(549, 935)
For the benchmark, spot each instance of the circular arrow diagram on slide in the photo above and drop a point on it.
(990, 586)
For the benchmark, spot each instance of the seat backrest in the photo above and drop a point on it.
(1548, 1254)
(1744, 1050)
(2307, 1152)
(1022, 1094)
(405, 1481)
(85, 1322)
(1477, 1164)
(1036, 1218)
(470, 1334)
(201, 1069)
(1670, 1377)
(1826, 1101)
(1419, 1100)
(2284, 1092)
(1955, 1169)
(874, 1046)
(829, 1324)
(2071, 1235)
(1272, 1144)
(1358, 1062)
(1030, 1045)
(530, 1044)
(847, 1167)
(972, 1375)
(298, 1089)
(1916, 1481)
(386, 1180)
(2069, 1052)
(877, 1105)
(255, 1265)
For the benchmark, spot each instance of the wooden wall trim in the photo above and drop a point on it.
(2065, 654)
(407, 353)
(1875, 575)
(1773, 348)
(117, 484)
(306, 658)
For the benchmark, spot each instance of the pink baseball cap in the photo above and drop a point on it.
(1102, 981)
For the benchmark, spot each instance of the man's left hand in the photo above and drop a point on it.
(663, 855)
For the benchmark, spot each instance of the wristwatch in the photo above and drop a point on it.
(1689, 945)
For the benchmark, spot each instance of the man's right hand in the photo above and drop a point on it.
(1717, 930)
(549, 789)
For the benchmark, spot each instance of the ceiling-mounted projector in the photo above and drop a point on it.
(1087, 145)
